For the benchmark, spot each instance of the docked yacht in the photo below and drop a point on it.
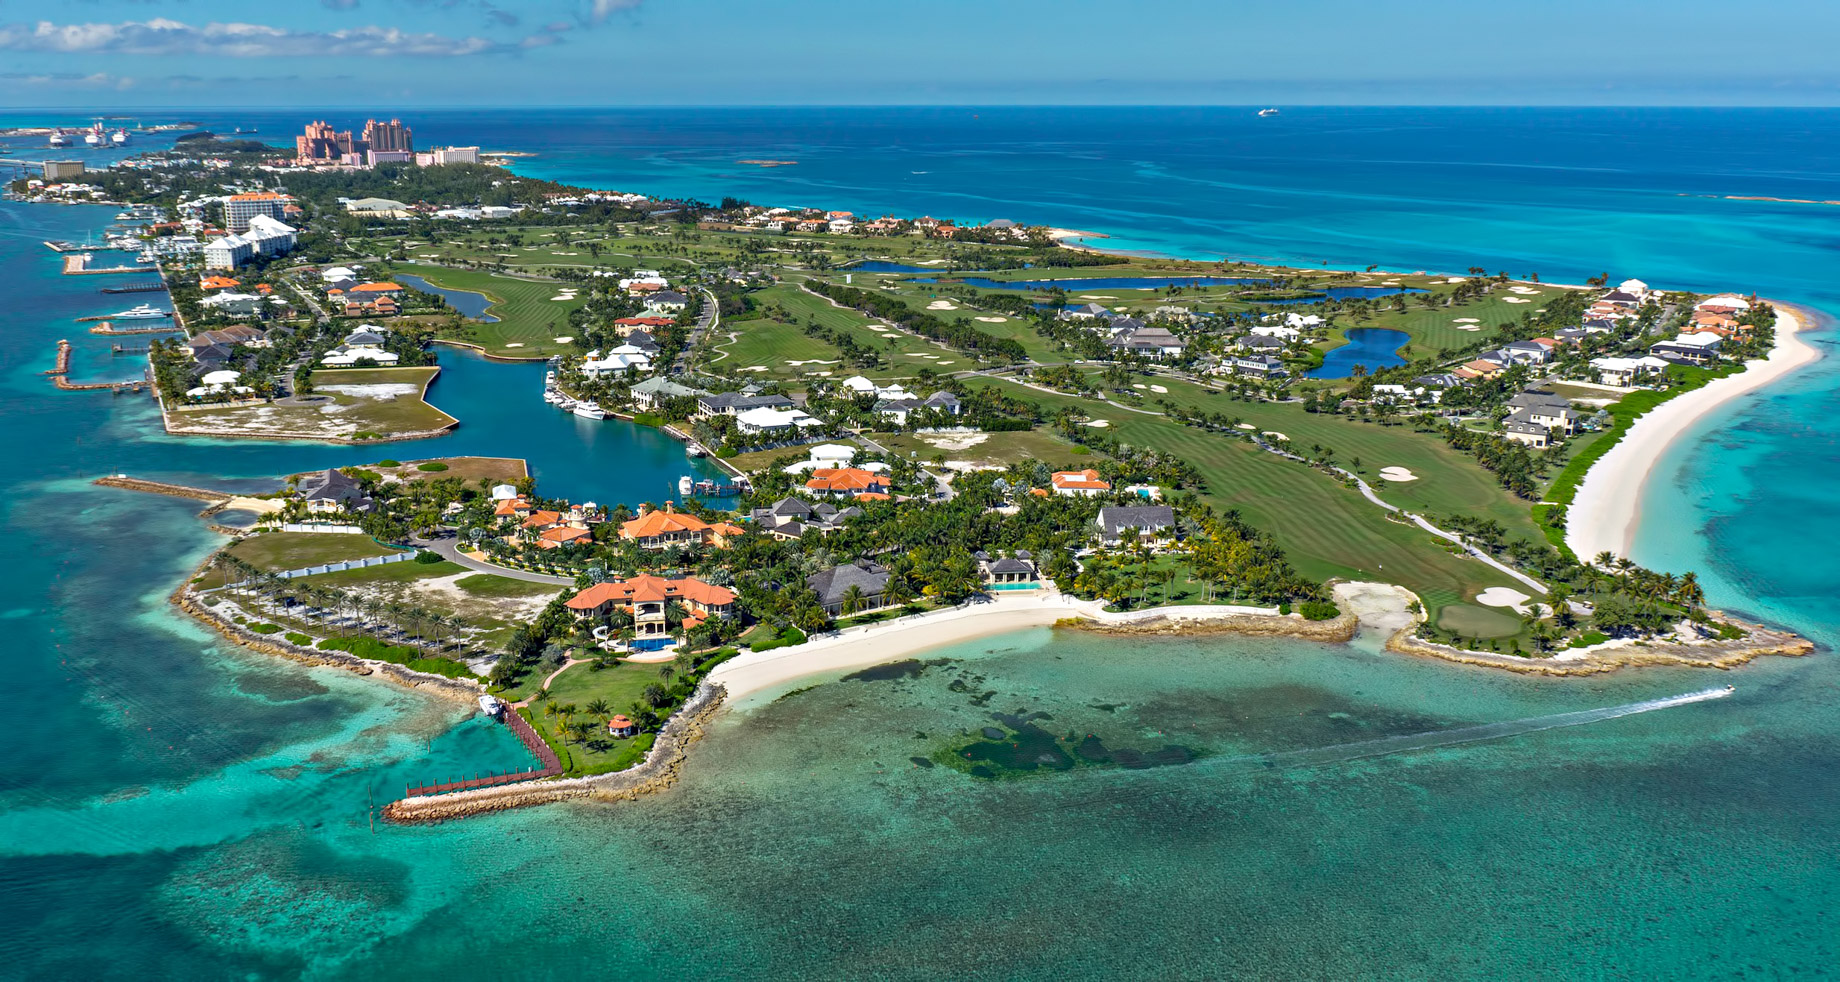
(588, 410)
(58, 140)
(141, 313)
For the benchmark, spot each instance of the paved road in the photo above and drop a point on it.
(448, 547)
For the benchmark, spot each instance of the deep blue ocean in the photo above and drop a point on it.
(174, 808)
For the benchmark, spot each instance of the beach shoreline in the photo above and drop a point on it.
(1606, 510)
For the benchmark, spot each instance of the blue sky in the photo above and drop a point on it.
(337, 53)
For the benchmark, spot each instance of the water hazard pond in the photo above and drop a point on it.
(1370, 347)
(467, 302)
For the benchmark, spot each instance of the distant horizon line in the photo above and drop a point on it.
(464, 107)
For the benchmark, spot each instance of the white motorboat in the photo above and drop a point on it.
(1268, 112)
(491, 706)
(685, 485)
(142, 312)
(588, 410)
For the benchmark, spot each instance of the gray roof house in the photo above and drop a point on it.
(833, 584)
(332, 490)
(652, 391)
(1113, 520)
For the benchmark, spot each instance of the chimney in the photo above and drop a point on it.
(667, 506)
(642, 510)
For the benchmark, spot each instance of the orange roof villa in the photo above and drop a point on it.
(847, 481)
(645, 597)
(667, 527)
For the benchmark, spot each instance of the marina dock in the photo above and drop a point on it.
(60, 377)
(78, 265)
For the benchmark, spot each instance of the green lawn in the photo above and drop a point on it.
(1436, 330)
(994, 450)
(772, 342)
(298, 550)
(621, 686)
(529, 318)
(1326, 529)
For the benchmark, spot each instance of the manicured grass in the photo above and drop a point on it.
(996, 450)
(502, 587)
(1435, 330)
(621, 686)
(396, 573)
(1472, 621)
(1326, 529)
(772, 341)
(1449, 481)
(298, 550)
(527, 316)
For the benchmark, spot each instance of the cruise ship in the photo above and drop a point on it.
(59, 140)
(119, 138)
(95, 137)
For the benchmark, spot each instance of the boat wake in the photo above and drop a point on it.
(1468, 734)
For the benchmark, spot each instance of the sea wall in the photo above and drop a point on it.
(455, 690)
(659, 770)
(1718, 654)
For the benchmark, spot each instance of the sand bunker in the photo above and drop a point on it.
(753, 368)
(514, 344)
(1158, 388)
(1275, 435)
(1096, 296)
(1522, 290)
(1515, 300)
(1468, 320)
(994, 320)
(1455, 279)
(963, 441)
(1397, 474)
(1501, 596)
(942, 305)
(1099, 424)
(1245, 426)
(948, 363)
(563, 340)
(1468, 327)
(812, 361)
(1137, 385)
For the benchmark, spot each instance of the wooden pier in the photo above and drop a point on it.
(552, 766)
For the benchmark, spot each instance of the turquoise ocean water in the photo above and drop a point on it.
(172, 808)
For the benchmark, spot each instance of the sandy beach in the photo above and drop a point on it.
(754, 673)
(1603, 513)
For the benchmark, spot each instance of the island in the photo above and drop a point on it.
(929, 432)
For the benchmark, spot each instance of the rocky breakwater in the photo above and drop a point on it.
(1709, 653)
(455, 690)
(658, 771)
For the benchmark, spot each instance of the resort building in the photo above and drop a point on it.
(240, 208)
(652, 392)
(776, 421)
(264, 236)
(1084, 483)
(645, 598)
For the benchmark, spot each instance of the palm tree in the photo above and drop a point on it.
(854, 601)
(599, 708)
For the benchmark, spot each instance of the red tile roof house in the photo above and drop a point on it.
(846, 482)
(645, 597)
(1084, 482)
(666, 528)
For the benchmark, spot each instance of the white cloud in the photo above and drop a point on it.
(69, 80)
(161, 36)
(600, 10)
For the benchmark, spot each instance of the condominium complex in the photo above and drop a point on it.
(240, 208)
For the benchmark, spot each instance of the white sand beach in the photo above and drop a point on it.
(1603, 513)
(878, 644)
